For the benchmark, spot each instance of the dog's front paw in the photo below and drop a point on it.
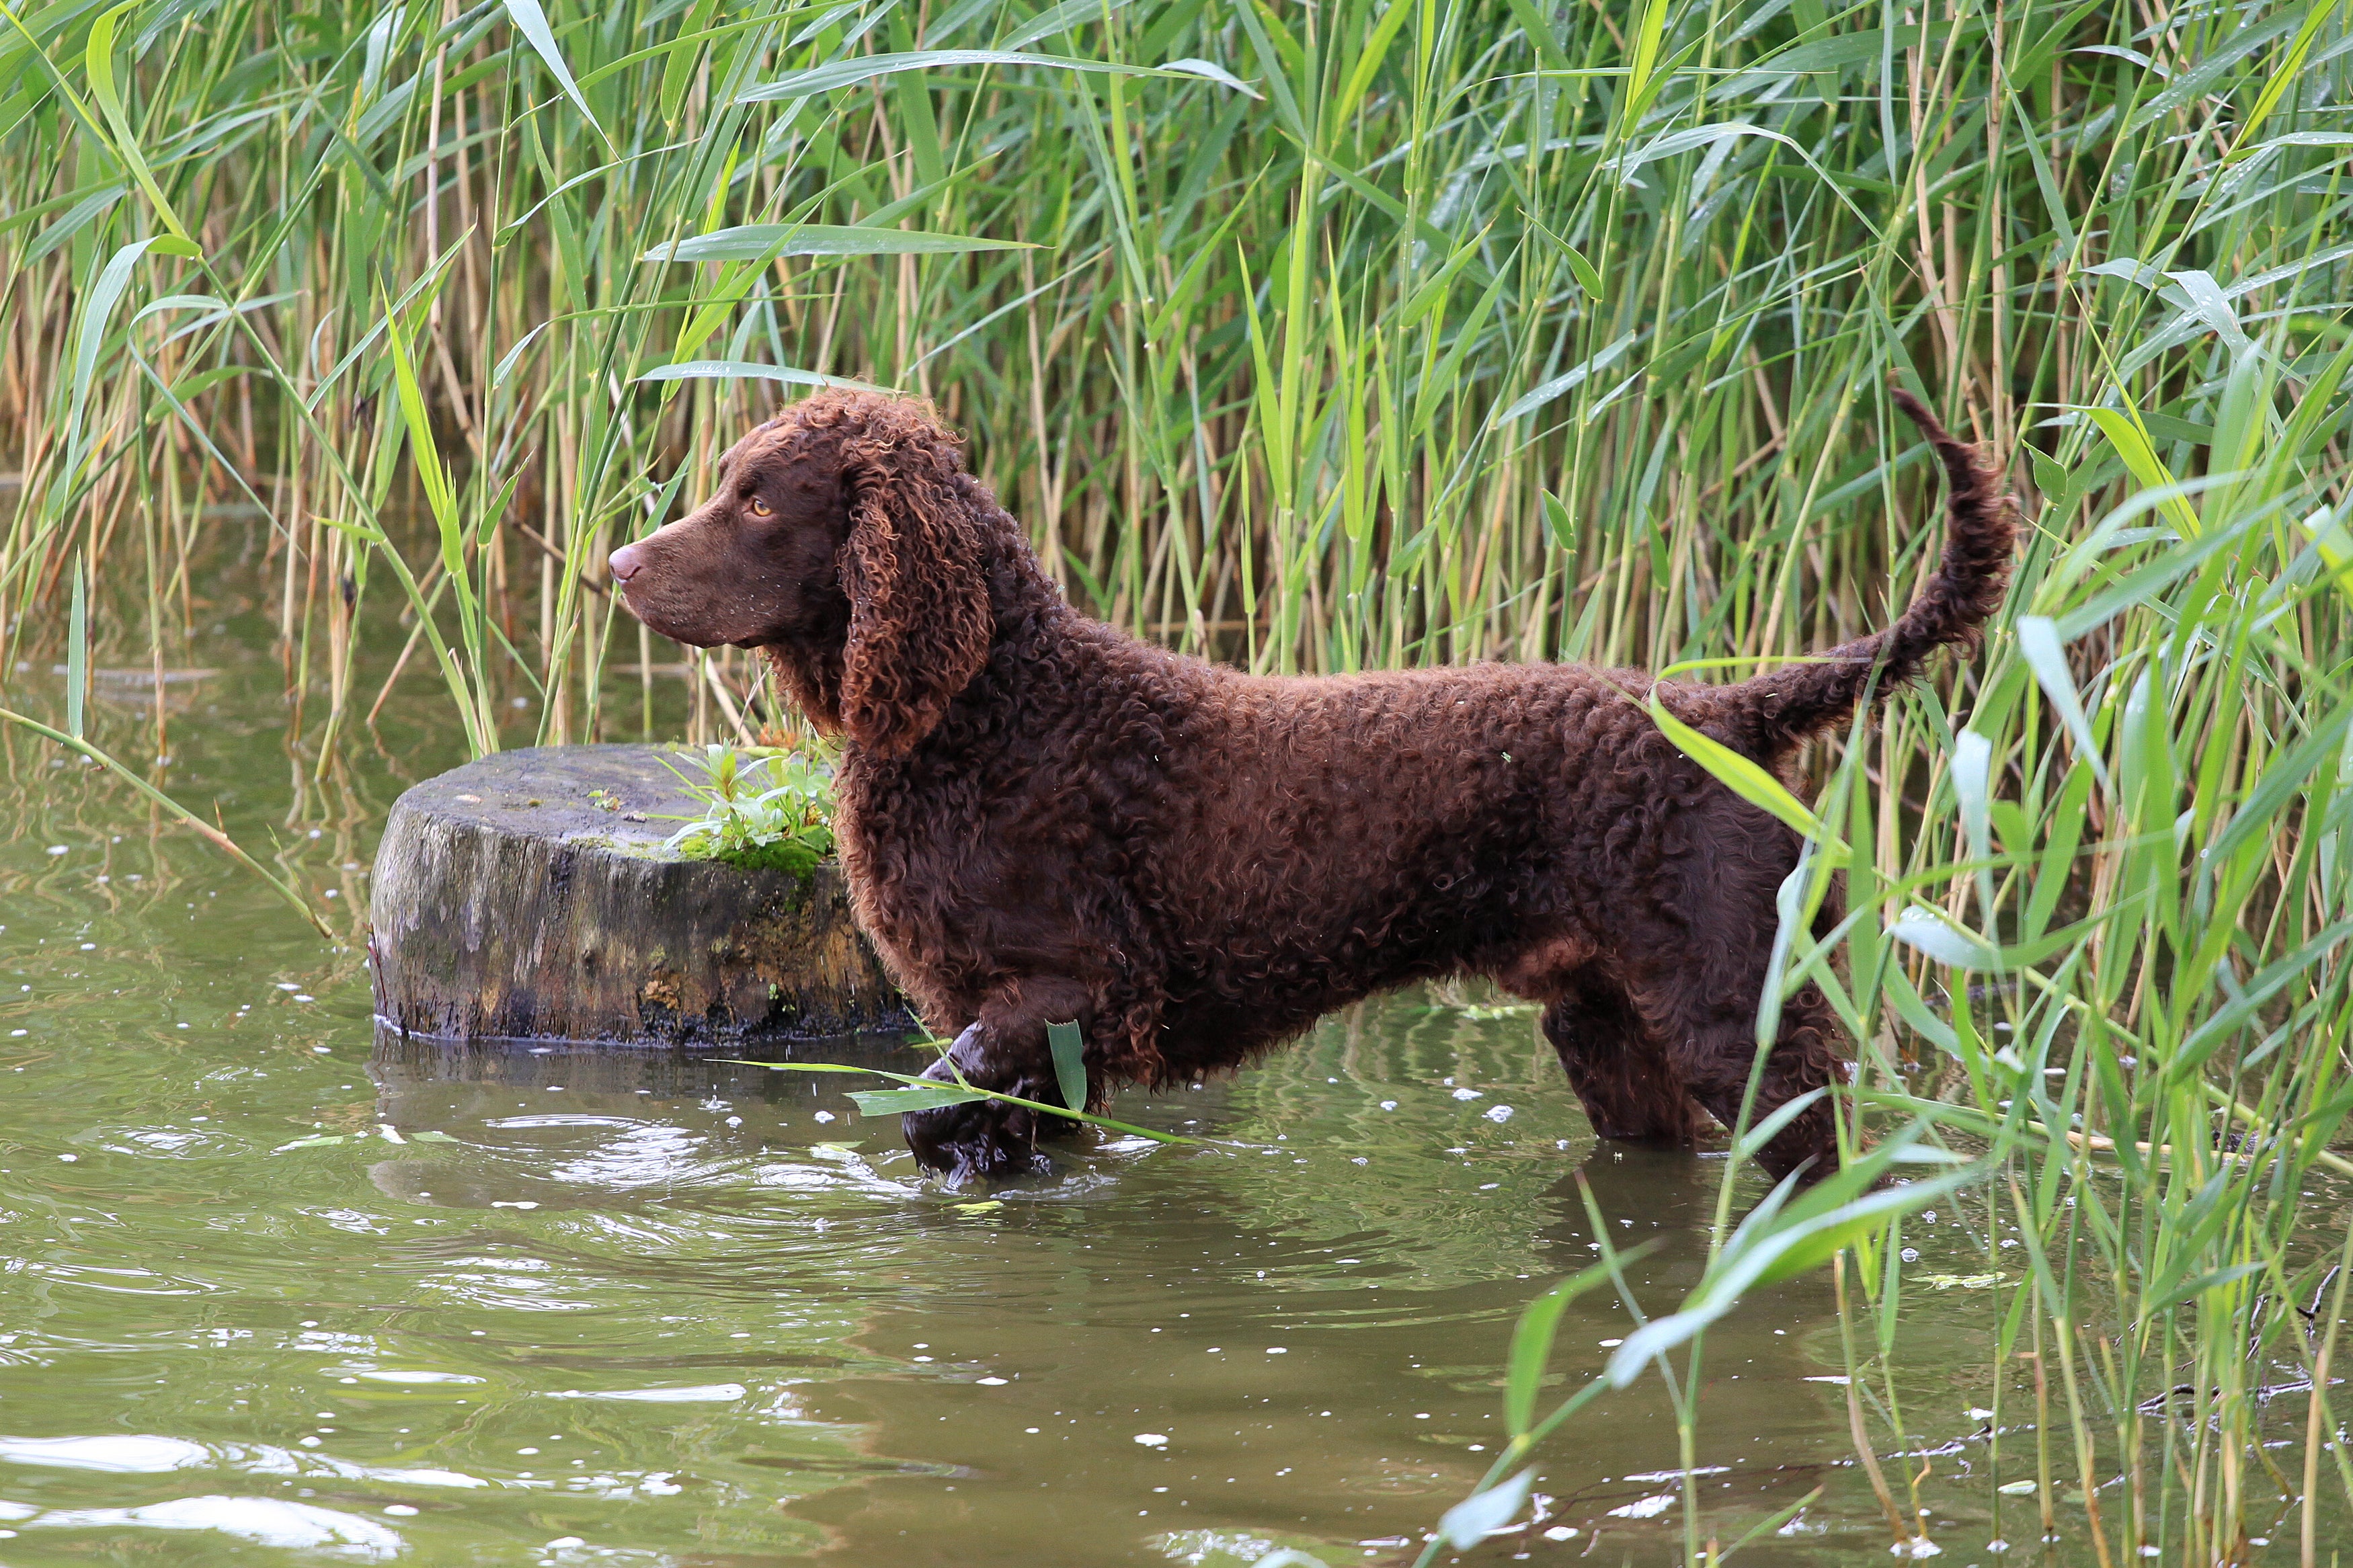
(978, 1142)
(981, 1141)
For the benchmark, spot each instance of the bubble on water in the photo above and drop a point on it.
(1153, 1439)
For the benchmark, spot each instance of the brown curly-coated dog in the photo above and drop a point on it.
(1044, 819)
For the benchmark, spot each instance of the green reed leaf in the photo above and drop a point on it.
(532, 23)
(1068, 1046)
(77, 654)
(767, 241)
(900, 1101)
(866, 67)
(745, 370)
(1479, 1515)
(97, 61)
(1533, 1336)
(1743, 776)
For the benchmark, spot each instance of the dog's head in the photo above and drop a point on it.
(842, 538)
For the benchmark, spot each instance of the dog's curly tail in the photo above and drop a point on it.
(1781, 710)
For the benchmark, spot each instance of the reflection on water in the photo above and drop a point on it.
(558, 1305)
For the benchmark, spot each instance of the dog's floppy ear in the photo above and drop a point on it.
(919, 614)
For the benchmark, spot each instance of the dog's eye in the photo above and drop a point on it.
(761, 508)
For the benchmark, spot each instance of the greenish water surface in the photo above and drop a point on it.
(570, 1306)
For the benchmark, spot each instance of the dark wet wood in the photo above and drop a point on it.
(512, 901)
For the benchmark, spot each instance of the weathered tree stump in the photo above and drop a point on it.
(528, 895)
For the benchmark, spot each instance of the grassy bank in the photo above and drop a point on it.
(1321, 337)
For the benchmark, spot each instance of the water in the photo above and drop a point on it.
(579, 1306)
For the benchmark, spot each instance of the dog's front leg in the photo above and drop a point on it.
(1005, 1050)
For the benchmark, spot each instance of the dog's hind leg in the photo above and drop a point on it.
(1626, 1082)
(1700, 966)
(1716, 1031)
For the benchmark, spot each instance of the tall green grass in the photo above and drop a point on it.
(1324, 336)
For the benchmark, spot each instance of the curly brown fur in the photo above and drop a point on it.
(1044, 819)
(1781, 711)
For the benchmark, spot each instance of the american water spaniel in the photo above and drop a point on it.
(1044, 819)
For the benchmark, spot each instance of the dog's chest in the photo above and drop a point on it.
(956, 883)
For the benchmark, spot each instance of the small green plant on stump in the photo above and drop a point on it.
(765, 809)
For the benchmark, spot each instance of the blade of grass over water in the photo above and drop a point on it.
(1370, 336)
(929, 1094)
(227, 845)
